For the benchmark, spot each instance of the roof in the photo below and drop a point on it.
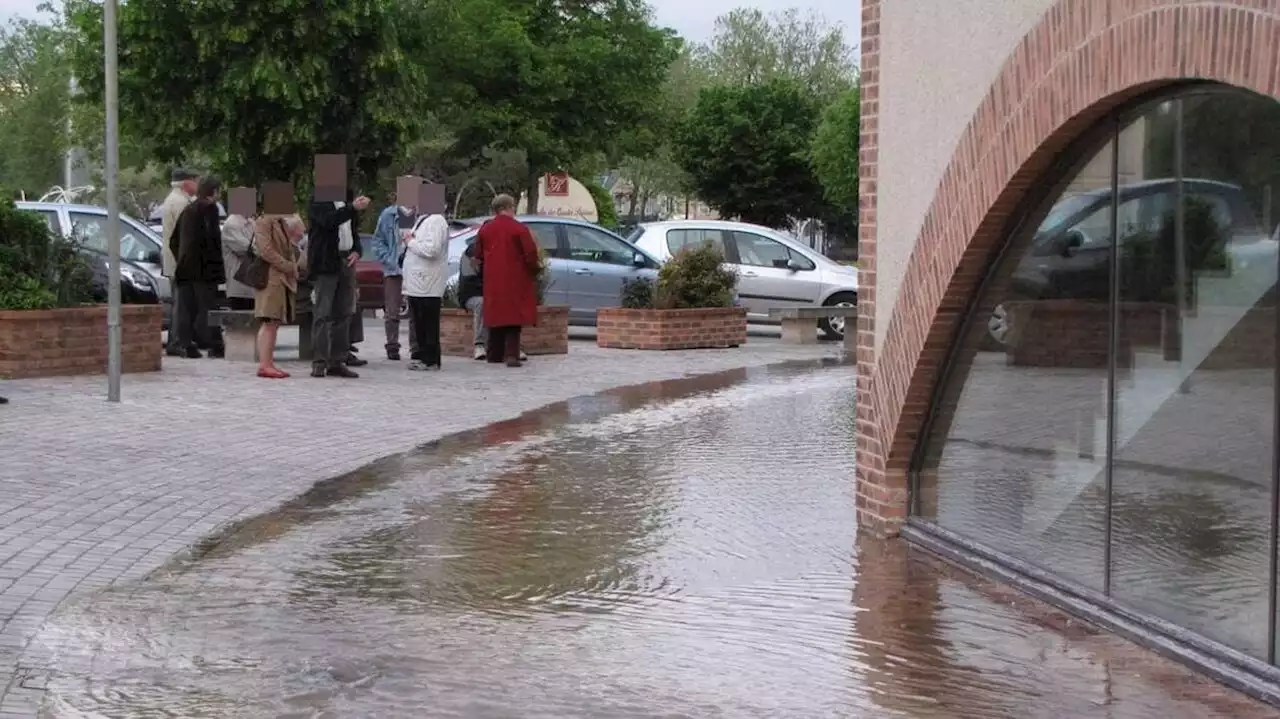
(716, 224)
(473, 221)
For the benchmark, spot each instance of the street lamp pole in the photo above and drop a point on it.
(109, 22)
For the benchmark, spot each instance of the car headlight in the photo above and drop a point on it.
(137, 278)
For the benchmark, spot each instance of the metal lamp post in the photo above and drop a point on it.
(109, 12)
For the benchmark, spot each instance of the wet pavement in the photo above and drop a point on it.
(679, 549)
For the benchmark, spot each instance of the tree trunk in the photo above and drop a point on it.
(635, 197)
(531, 190)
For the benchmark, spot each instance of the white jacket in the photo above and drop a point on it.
(426, 261)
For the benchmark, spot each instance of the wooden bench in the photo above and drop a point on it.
(240, 333)
(800, 324)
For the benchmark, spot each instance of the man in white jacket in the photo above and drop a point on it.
(426, 274)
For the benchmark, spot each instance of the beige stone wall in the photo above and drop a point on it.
(937, 63)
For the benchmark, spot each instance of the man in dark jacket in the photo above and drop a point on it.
(198, 270)
(332, 250)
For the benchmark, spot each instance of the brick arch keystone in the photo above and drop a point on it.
(1083, 59)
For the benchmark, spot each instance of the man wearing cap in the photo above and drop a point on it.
(182, 193)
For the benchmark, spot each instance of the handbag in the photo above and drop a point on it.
(254, 272)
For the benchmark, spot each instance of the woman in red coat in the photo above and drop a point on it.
(508, 259)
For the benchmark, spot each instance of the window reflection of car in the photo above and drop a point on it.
(1070, 253)
(587, 263)
(141, 276)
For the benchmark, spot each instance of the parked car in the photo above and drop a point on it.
(369, 279)
(1070, 254)
(774, 270)
(136, 287)
(141, 272)
(587, 263)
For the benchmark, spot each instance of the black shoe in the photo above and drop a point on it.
(514, 362)
(354, 361)
(318, 369)
(341, 370)
(193, 353)
(170, 352)
(219, 353)
(393, 355)
(4, 400)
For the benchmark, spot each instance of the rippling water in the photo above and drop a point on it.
(684, 549)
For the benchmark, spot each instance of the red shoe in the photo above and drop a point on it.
(272, 373)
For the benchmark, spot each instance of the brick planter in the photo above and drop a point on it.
(549, 337)
(48, 343)
(710, 328)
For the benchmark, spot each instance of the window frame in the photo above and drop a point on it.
(808, 265)
(623, 244)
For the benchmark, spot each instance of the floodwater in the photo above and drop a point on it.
(681, 549)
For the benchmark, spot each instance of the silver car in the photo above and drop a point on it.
(87, 224)
(588, 263)
(774, 270)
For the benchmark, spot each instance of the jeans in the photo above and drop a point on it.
(476, 306)
(392, 296)
(193, 300)
(332, 318)
(425, 312)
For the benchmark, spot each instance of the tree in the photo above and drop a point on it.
(835, 152)
(555, 79)
(746, 150)
(260, 88)
(750, 47)
(34, 106)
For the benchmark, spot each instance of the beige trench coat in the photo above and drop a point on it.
(271, 242)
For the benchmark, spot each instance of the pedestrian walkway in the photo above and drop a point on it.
(98, 493)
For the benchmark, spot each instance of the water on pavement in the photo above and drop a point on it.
(682, 549)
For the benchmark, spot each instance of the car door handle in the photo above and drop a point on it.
(582, 271)
(750, 274)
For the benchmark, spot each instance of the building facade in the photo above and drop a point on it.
(1067, 341)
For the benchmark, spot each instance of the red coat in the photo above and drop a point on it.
(509, 261)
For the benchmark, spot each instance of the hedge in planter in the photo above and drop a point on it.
(690, 307)
(549, 336)
(46, 328)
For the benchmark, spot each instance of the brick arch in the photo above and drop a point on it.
(1083, 59)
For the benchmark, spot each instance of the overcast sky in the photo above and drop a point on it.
(695, 19)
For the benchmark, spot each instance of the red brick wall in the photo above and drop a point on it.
(1083, 58)
(47, 343)
(549, 337)
(618, 328)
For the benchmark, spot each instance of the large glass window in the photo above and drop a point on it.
(91, 231)
(1109, 414)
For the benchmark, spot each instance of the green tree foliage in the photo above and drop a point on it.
(751, 48)
(746, 150)
(835, 152)
(554, 79)
(37, 269)
(34, 106)
(261, 87)
(606, 213)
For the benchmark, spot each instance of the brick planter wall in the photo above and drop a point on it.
(710, 328)
(48, 343)
(549, 337)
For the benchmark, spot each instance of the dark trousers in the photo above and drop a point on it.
(504, 344)
(425, 324)
(174, 313)
(331, 318)
(193, 300)
(240, 303)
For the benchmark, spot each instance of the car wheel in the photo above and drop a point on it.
(833, 327)
(404, 308)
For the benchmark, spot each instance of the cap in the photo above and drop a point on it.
(179, 174)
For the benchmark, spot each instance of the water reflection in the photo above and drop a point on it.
(687, 551)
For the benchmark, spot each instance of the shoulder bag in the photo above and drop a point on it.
(255, 272)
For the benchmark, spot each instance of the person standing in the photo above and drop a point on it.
(388, 247)
(277, 238)
(355, 327)
(199, 270)
(508, 259)
(471, 297)
(182, 191)
(331, 257)
(237, 249)
(426, 273)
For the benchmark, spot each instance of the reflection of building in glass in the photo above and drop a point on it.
(1071, 369)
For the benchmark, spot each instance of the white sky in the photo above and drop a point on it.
(695, 19)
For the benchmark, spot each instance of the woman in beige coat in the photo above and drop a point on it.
(276, 239)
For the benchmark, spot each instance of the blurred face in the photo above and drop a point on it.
(189, 186)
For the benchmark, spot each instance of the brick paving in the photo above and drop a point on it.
(96, 493)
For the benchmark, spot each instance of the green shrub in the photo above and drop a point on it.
(449, 299)
(637, 294)
(606, 213)
(1148, 257)
(695, 278)
(38, 269)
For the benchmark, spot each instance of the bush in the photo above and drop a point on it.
(637, 294)
(695, 278)
(542, 277)
(606, 213)
(38, 270)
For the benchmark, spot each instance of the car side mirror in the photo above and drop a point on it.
(154, 257)
(639, 260)
(1073, 241)
(794, 266)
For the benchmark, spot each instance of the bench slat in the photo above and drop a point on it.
(811, 313)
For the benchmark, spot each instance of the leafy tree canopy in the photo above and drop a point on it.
(746, 150)
(261, 87)
(835, 152)
(34, 85)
